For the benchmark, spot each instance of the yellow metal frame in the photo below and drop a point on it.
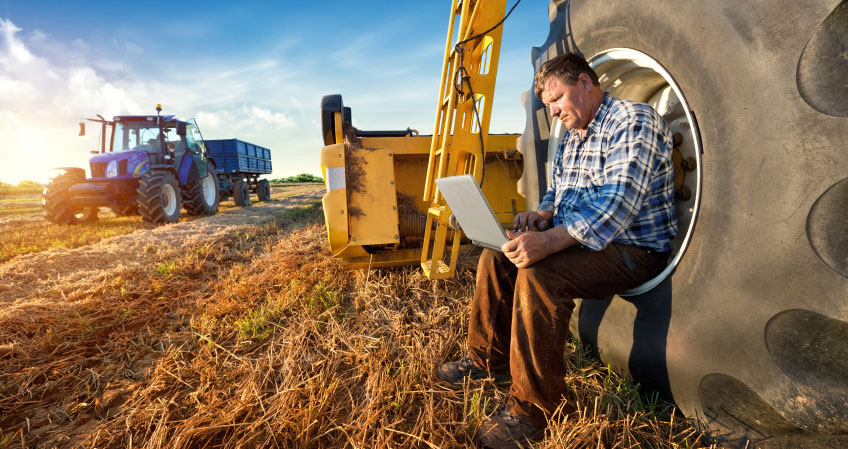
(455, 146)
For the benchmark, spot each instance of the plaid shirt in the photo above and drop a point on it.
(617, 183)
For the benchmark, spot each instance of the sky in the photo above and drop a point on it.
(255, 71)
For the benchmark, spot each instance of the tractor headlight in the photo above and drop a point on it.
(112, 169)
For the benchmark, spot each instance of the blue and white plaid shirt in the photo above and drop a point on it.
(617, 183)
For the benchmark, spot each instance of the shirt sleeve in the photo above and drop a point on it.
(626, 182)
(547, 203)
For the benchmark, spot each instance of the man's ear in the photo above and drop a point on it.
(585, 82)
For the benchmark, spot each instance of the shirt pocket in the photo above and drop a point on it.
(596, 178)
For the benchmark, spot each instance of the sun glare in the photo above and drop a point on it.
(32, 153)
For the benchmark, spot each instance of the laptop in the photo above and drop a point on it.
(473, 212)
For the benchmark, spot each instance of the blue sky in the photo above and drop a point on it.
(250, 70)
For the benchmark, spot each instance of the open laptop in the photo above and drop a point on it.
(473, 212)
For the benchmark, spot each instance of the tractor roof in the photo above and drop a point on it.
(149, 118)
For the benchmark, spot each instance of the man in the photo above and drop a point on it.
(605, 225)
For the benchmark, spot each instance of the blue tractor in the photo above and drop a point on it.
(152, 165)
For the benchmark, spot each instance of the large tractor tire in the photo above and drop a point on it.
(159, 199)
(749, 335)
(56, 201)
(263, 190)
(201, 196)
(241, 193)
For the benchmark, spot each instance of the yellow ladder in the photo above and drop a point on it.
(462, 119)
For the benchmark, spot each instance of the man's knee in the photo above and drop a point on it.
(535, 273)
(490, 260)
(542, 279)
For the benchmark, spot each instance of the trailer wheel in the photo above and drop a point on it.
(263, 191)
(56, 201)
(201, 196)
(241, 193)
(159, 199)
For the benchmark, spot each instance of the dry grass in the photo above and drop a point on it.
(32, 233)
(257, 338)
(23, 229)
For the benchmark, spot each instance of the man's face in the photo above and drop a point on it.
(572, 105)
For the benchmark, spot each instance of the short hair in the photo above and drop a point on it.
(567, 68)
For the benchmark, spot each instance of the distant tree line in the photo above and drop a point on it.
(303, 177)
(23, 188)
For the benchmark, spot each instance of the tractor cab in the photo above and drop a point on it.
(144, 133)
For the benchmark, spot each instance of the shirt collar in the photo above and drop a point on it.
(595, 124)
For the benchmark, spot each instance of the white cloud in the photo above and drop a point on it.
(42, 103)
(14, 49)
(277, 119)
(38, 35)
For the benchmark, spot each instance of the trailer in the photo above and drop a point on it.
(238, 165)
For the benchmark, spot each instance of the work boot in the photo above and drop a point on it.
(504, 431)
(457, 371)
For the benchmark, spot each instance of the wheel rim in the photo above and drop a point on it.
(169, 199)
(209, 190)
(82, 214)
(632, 75)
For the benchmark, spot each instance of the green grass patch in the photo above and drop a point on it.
(166, 268)
(20, 210)
(28, 199)
(40, 235)
(303, 177)
(23, 188)
(256, 325)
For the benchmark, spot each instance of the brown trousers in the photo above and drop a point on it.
(519, 317)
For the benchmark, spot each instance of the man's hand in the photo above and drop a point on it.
(526, 248)
(532, 221)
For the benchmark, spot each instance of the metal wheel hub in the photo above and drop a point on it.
(208, 190)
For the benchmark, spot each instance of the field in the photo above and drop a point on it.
(240, 330)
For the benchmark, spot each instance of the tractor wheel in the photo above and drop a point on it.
(56, 201)
(159, 199)
(744, 336)
(87, 214)
(241, 193)
(201, 196)
(126, 211)
(263, 191)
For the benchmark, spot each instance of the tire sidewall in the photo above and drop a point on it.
(56, 200)
(211, 208)
(264, 191)
(151, 197)
(170, 191)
